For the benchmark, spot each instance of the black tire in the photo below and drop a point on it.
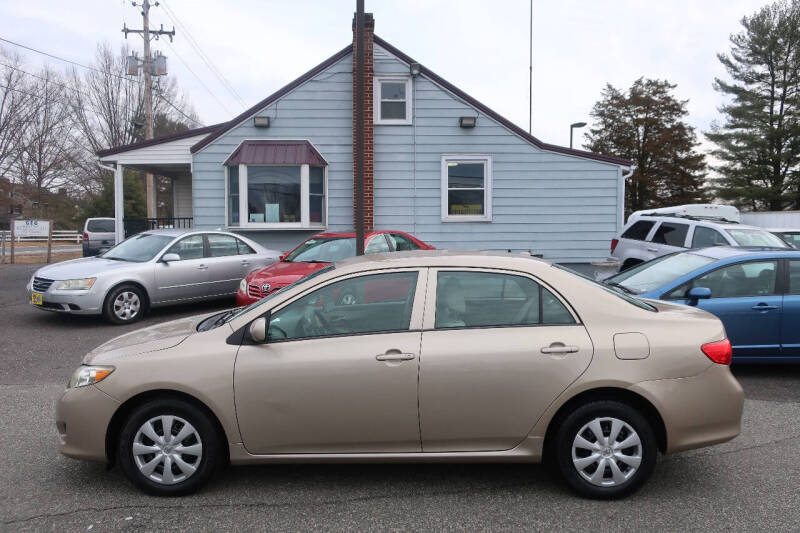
(205, 465)
(109, 304)
(575, 421)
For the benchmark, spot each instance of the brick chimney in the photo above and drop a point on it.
(369, 30)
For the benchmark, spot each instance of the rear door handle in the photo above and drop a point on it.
(763, 307)
(245, 262)
(559, 347)
(394, 355)
(652, 249)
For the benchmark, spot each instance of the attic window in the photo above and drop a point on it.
(392, 100)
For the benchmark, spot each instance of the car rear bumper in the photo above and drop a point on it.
(697, 411)
(82, 418)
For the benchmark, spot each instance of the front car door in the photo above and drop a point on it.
(497, 348)
(186, 278)
(336, 378)
(746, 298)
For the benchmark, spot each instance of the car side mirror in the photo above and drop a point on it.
(699, 293)
(258, 330)
(168, 258)
(282, 256)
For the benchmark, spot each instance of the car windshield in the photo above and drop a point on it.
(323, 250)
(756, 237)
(630, 299)
(658, 272)
(139, 248)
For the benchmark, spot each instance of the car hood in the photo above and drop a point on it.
(284, 273)
(86, 267)
(152, 339)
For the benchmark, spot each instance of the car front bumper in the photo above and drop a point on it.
(75, 302)
(697, 411)
(83, 415)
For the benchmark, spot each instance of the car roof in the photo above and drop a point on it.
(727, 224)
(784, 230)
(352, 233)
(428, 258)
(727, 252)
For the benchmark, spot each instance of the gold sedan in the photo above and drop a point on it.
(434, 356)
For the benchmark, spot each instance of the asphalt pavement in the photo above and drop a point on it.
(747, 484)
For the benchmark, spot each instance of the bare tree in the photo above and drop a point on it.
(16, 107)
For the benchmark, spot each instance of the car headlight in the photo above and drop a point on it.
(243, 286)
(89, 375)
(75, 284)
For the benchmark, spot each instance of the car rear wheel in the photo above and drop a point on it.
(124, 304)
(605, 449)
(168, 448)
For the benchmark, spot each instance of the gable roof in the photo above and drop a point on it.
(227, 126)
(159, 140)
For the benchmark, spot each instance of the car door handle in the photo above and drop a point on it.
(652, 249)
(559, 347)
(245, 262)
(763, 307)
(394, 355)
(202, 267)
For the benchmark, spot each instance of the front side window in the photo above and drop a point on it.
(639, 230)
(377, 303)
(188, 248)
(671, 234)
(704, 237)
(392, 101)
(466, 188)
(485, 299)
(273, 194)
(755, 278)
(377, 245)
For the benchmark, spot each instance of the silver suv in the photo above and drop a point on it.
(98, 235)
(647, 236)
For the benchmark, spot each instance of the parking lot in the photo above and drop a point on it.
(747, 484)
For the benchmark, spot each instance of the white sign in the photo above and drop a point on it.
(31, 228)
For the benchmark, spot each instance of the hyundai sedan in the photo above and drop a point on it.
(459, 357)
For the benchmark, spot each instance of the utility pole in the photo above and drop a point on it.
(147, 66)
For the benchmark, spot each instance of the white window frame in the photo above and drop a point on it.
(487, 187)
(305, 213)
(376, 92)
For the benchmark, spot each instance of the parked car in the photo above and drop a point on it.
(647, 236)
(318, 252)
(98, 235)
(521, 358)
(151, 269)
(756, 294)
(790, 236)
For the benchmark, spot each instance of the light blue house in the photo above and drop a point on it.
(438, 164)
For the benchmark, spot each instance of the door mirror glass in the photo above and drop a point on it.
(171, 257)
(699, 293)
(258, 330)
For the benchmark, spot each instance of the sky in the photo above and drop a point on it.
(481, 46)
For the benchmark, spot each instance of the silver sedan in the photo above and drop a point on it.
(150, 269)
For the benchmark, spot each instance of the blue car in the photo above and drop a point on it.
(754, 291)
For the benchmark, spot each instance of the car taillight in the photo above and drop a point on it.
(720, 352)
(614, 243)
(85, 236)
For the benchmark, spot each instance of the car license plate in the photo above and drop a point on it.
(36, 298)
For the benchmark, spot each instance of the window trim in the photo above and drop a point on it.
(487, 187)
(376, 100)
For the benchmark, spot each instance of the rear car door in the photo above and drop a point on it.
(746, 298)
(631, 243)
(184, 279)
(668, 237)
(336, 378)
(790, 319)
(497, 348)
(226, 267)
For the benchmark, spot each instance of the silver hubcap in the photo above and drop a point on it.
(606, 452)
(126, 305)
(167, 449)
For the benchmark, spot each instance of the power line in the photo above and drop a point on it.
(203, 56)
(173, 106)
(214, 96)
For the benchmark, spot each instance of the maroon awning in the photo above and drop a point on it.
(276, 153)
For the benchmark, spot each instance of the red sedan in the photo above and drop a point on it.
(318, 252)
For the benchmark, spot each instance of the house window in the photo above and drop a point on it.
(276, 196)
(466, 188)
(392, 100)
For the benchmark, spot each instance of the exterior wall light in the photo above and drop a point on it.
(261, 122)
(414, 68)
(467, 122)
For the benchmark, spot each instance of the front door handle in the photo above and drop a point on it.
(202, 267)
(245, 262)
(763, 307)
(394, 355)
(558, 348)
(652, 250)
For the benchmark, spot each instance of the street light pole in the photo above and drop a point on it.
(572, 127)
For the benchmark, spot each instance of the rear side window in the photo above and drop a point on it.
(401, 242)
(222, 245)
(244, 248)
(671, 234)
(100, 226)
(639, 230)
(704, 237)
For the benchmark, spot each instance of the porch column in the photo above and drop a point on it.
(119, 205)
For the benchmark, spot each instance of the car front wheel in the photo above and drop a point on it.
(168, 448)
(124, 304)
(605, 449)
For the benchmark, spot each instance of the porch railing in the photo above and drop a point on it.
(134, 225)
